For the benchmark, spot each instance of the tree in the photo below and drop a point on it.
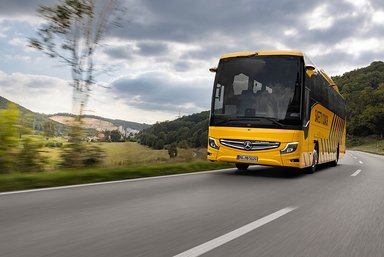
(8, 137)
(172, 150)
(49, 129)
(72, 33)
(19, 150)
(115, 136)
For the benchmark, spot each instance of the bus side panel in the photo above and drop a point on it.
(327, 131)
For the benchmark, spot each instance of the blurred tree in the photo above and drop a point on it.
(72, 33)
(29, 157)
(9, 138)
(49, 129)
(19, 150)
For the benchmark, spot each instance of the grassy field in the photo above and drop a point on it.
(130, 153)
(131, 160)
(123, 161)
(367, 144)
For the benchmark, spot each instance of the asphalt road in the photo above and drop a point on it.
(338, 211)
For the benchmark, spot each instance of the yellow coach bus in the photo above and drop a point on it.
(277, 109)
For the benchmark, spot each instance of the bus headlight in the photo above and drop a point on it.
(290, 148)
(212, 143)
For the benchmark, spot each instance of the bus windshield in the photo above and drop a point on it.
(257, 91)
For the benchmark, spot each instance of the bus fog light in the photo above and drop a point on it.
(212, 143)
(290, 148)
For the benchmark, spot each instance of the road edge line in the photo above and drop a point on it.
(110, 182)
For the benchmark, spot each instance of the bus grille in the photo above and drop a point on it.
(249, 145)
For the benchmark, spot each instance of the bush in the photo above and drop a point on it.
(172, 150)
(81, 155)
(54, 144)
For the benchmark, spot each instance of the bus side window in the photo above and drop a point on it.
(306, 113)
(219, 95)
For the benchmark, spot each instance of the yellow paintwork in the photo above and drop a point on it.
(266, 157)
(328, 136)
(325, 129)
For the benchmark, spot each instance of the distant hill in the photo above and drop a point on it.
(38, 119)
(187, 131)
(363, 90)
(61, 121)
(101, 123)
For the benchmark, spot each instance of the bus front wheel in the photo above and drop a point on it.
(315, 161)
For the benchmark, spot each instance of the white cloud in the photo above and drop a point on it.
(320, 18)
(378, 17)
(39, 93)
(180, 40)
(357, 46)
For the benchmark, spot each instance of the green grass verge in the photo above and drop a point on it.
(23, 181)
(367, 144)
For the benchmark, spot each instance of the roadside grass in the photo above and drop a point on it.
(367, 144)
(24, 181)
(129, 153)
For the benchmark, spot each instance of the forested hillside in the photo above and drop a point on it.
(363, 90)
(39, 122)
(187, 131)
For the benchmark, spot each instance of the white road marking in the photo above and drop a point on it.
(354, 157)
(361, 162)
(214, 243)
(109, 182)
(355, 173)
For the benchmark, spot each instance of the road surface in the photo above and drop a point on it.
(337, 211)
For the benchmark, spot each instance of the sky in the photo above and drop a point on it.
(158, 59)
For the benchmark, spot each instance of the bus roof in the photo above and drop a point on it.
(239, 54)
(293, 53)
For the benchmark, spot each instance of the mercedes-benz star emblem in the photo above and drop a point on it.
(247, 145)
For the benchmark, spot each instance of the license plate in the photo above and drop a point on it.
(247, 158)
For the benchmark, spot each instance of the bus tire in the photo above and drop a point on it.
(334, 163)
(242, 166)
(311, 169)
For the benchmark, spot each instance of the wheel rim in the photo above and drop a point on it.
(315, 159)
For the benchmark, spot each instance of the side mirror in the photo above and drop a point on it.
(310, 70)
(213, 69)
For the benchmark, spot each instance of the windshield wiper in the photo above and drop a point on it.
(222, 122)
(248, 121)
(280, 125)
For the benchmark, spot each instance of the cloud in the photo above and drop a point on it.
(39, 93)
(164, 91)
(164, 48)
